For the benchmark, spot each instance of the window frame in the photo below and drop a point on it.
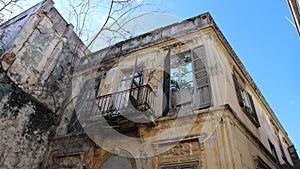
(202, 94)
(180, 73)
(179, 166)
(245, 100)
(260, 163)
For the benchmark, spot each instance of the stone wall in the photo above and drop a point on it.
(35, 83)
(25, 124)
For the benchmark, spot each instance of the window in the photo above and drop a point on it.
(131, 78)
(130, 82)
(246, 101)
(274, 153)
(74, 125)
(294, 156)
(181, 79)
(181, 72)
(181, 166)
(260, 164)
(186, 81)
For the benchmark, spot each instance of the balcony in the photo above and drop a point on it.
(128, 107)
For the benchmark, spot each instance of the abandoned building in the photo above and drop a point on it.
(177, 97)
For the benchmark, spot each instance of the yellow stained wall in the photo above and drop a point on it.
(217, 137)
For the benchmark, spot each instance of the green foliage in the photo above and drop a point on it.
(66, 120)
(184, 57)
(174, 85)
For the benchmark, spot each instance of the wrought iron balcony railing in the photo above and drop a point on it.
(134, 100)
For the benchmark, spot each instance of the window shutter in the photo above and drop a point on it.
(199, 67)
(166, 84)
(238, 90)
(202, 93)
(251, 102)
(254, 115)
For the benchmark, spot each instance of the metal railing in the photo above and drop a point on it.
(132, 100)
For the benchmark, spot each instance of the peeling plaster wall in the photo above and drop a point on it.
(25, 124)
(45, 50)
(235, 142)
(35, 83)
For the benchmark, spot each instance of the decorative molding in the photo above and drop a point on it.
(180, 149)
(188, 158)
(188, 149)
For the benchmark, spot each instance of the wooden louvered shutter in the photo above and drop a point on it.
(166, 84)
(253, 113)
(202, 93)
(251, 103)
(238, 90)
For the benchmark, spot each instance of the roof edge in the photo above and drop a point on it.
(198, 22)
(154, 37)
(247, 75)
(17, 17)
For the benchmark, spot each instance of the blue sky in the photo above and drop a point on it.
(267, 44)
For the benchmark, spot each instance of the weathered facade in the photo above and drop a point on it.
(37, 50)
(176, 97)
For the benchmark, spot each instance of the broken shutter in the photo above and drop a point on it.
(238, 90)
(202, 93)
(253, 113)
(166, 84)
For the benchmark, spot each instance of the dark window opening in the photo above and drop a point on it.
(260, 164)
(294, 156)
(246, 101)
(274, 153)
(74, 125)
(181, 166)
(97, 85)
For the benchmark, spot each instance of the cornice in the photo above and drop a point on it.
(247, 75)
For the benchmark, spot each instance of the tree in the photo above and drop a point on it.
(114, 15)
(7, 8)
(51, 87)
